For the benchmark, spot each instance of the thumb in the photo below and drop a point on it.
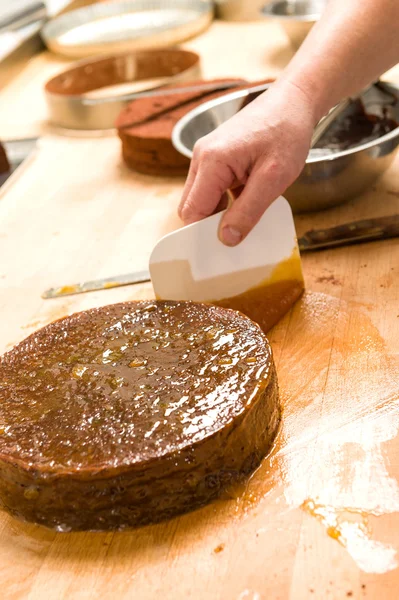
(261, 189)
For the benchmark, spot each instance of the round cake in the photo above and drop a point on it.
(129, 414)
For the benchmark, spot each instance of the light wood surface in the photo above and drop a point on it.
(320, 517)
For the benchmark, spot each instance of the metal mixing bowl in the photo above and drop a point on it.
(296, 17)
(329, 177)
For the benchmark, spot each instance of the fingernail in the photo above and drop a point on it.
(231, 236)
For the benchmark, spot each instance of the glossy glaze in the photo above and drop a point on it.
(117, 390)
(267, 302)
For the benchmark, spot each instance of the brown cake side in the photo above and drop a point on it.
(4, 164)
(145, 128)
(132, 413)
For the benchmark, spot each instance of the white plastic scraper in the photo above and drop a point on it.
(261, 277)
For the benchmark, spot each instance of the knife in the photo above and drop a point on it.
(357, 232)
(99, 284)
(367, 230)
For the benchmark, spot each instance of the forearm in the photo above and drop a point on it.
(351, 46)
(263, 148)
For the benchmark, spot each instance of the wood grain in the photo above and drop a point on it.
(320, 519)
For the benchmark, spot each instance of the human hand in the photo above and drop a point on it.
(258, 153)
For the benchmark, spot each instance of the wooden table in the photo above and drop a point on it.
(320, 517)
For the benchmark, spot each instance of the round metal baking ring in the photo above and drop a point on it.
(67, 94)
(123, 25)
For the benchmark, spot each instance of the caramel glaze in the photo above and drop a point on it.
(132, 413)
(266, 304)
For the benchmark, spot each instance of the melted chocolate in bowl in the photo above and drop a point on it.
(132, 413)
(356, 128)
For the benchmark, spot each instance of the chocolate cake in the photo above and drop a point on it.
(4, 164)
(145, 128)
(129, 414)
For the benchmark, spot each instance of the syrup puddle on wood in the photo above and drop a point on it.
(329, 455)
(351, 528)
(339, 390)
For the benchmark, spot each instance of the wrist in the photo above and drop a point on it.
(311, 98)
(287, 94)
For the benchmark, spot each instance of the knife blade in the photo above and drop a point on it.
(99, 284)
(357, 232)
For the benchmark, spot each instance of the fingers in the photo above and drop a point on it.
(187, 186)
(209, 178)
(236, 191)
(223, 204)
(264, 185)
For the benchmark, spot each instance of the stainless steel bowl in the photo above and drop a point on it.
(329, 177)
(296, 17)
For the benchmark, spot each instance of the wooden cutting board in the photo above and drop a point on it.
(320, 518)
